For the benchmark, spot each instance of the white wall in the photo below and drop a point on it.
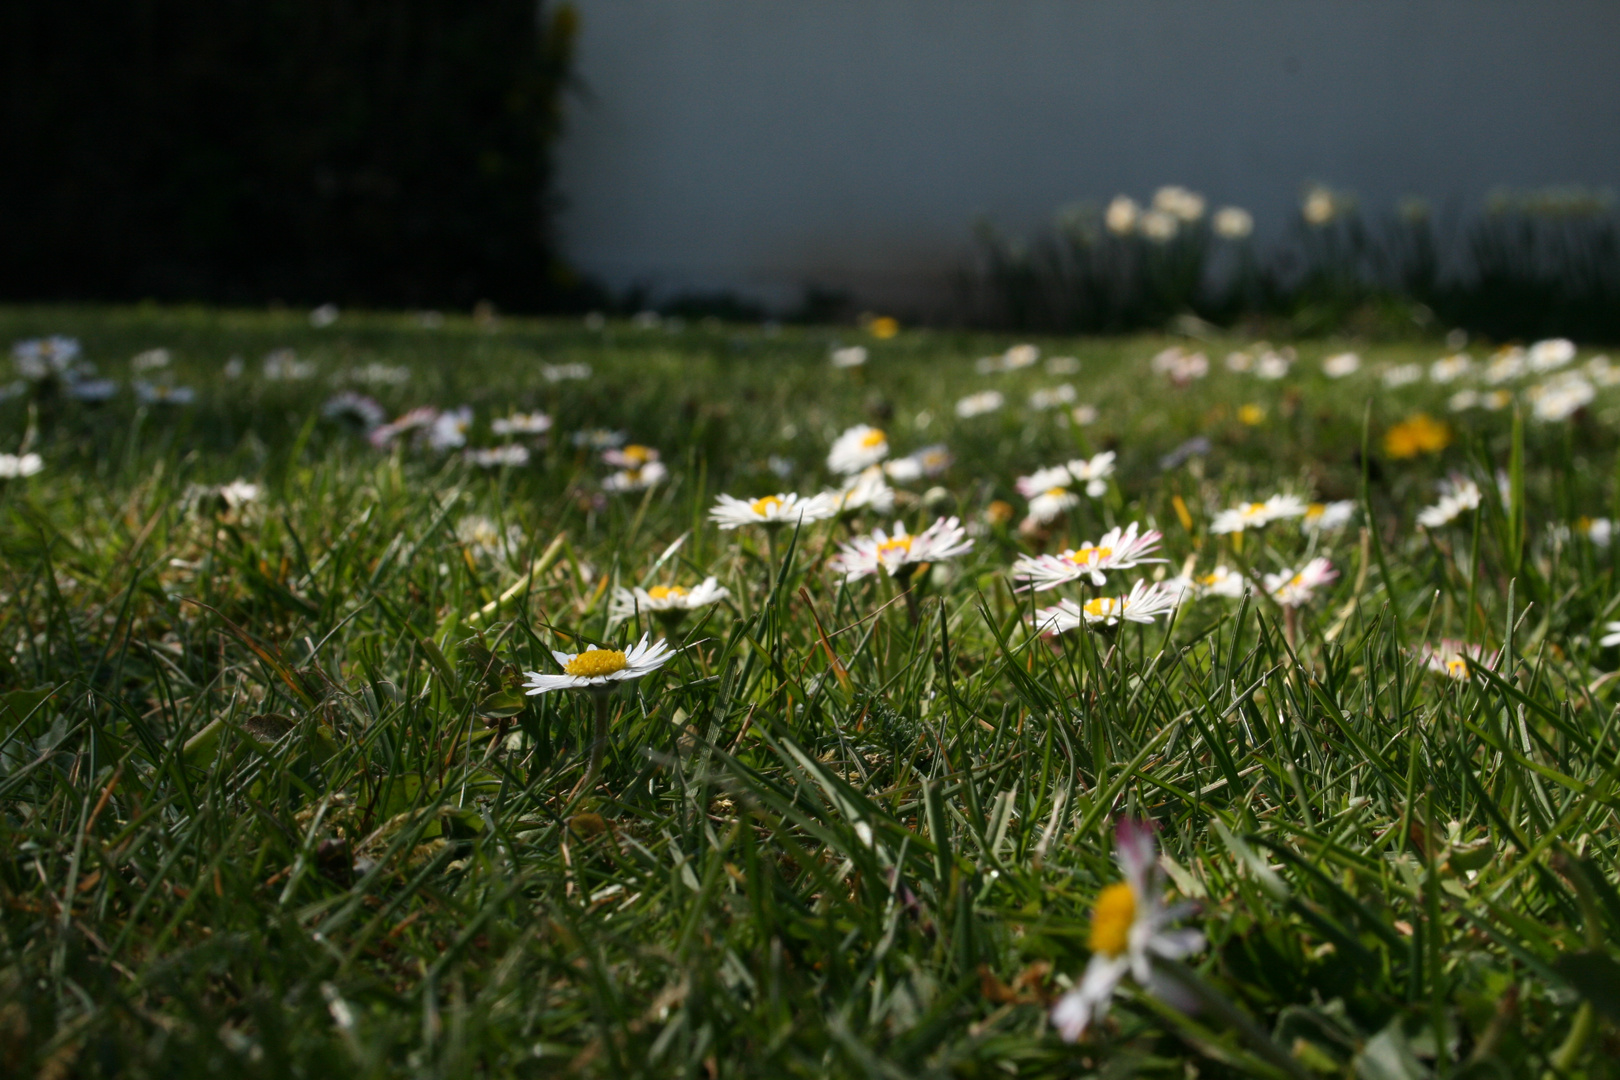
(758, 145)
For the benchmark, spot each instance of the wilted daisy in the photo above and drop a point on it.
(1129, 928)
(1121, 216)
(363, 412)
(600, 669)
(449, 429)
(1093, 472)
(899, 554)
(1451, 658)
(16, 466)
(1506, 365)
(1550, 355)
(637, 479)
(1561, 397)
(148, 393)
(1159, 226)
(1232, 223)
(1119, 549)
(40, 358)
(1047, 506)
(1253, 515)
(669, 603)
(564, 372)
(857, 448)
(1295, 588)
(850, 357)
(867, 491)
(1272, 365)
(1449, 368)
(1052, 397)
(1339, 365)
(930, 461)
(531, 423)
(1145, 603)
(771, 510)
(1457, 496)
(986, 401)
(1402, 375)
(495, 457)
(483, 537)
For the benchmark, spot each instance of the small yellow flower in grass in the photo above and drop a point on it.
(1251, 415)
(1418, 434)
(884, 327)
(1129, 929)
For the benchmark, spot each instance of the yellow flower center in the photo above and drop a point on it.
(1088, 555)
(1457, 667)
(665, 592)
(1210, 579)
(638, 454)
(595, 663)
(764, 507)
(1101, 608)
(1314, 511)
(873, 438)
(1112, 918)
(898, 543)
(1057, 492)
(1253, 509)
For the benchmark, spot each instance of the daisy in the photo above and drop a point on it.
(868, 491)
(15, 466)
(667, 602)
(772, 511)
(1128, 929)
(1179, 203)
(1222, 581)
(91, 390)
(1122, 215)
(1239, 362)
(1119, 549)
(1093, 473)
(283, 365)
(150, 360)
(1328, 517)
(1145, 602)
(1598, 530)
(1051, 504)
(852, 357)
(899, 555)
(598, 438)
(414, 420)
(534, 423)
(987, 401)
(1159, 226)
(1450, 368)
(495, 457)
(1068, 365)
(349, 407)
(480, 535)
(634, 456)
(1340, 365)
(1052, 397)
(378, 374)
(1602, 372)
(163, 393)
(1508, 364)
(1018, 357)
(599, 669)
(1402, 375)
(40, 358)
(1043, 480)
(238, 493)
(1561, 397)
(929, 461)
(1611, 635)
(1294, 589)
(1232, 223)
(1253, 515)
(856, 449)
(449, 429)
(1550, 355)
(1451, 658)
(640, 479)
(1463, 400)
(1457, 495)
(1272, 365)
(560, 372)
(1084, 414)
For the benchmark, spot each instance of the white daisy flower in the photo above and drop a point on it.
(1602, 372)
(449, 429)
(16, 466)
(1119, 549)
(640, 479)
(1463, 400)
(1084, 414)
(562, 372)
(1093, 473)
(670, 602)
(1292, 588)
(1457, 495)
(1451, 658)
(495, 457)
(1550, 355)
(1328, 517)
(986, 401)
(1272, 365)
(1561, 397)
(148, 393)
(379, 374)
(1159, 226)
(598, 438)
(1063, 365)
(1239, 362)
(238, 493)
(1402, 375)
(1506, 365)
(1222, 581)
(901, 553)
(1232, 223)
(868, 491)
(1178, 202)
(1598, 530)
(1122, 215)
(772, 510)
(1052, 397)
(1018, 357)
(1180, 366)
(929, 461)
(599, 669)
(851, 357)
(150, 360)
(1129, 927)
(1253, 515)
(1341, 364)
(1049, 505)
(533, 423)
(415, 420)
(634, 456)
(1043, 480)
(856, 449)
(484, 538)
(40, 358)
(1611, 635)
(1145, 602)
(283, 365)
(1450, 368)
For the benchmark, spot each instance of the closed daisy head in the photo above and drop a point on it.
(600, 669)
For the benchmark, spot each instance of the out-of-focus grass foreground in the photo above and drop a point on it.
(275, 802)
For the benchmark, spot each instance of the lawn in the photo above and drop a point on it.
(276, 802)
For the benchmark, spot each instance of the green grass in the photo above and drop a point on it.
(270, 809)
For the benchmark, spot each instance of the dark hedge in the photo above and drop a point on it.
(368, 152)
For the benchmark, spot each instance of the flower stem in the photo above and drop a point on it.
(599, 698)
